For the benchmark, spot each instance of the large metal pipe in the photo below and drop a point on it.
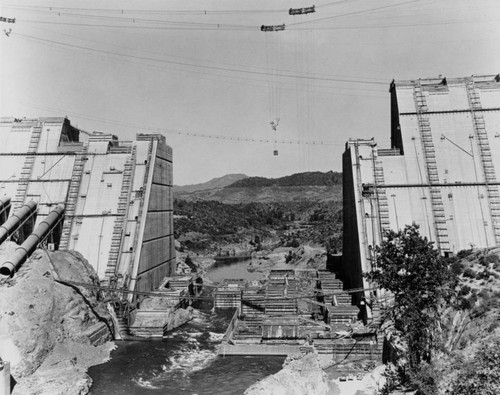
(22, 252)
(16, 220)
(4, 203)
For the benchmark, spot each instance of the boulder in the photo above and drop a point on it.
(300, 375)
(40, 313)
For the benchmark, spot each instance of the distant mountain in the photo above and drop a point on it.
(260, 206)
(244, 195)
(214, 183)
(315, 178)
(313, 186)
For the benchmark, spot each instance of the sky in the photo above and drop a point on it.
(204, 74)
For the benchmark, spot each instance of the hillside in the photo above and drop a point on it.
(466, 339)
(301, 208)
(205, 225)
(214, 183)
(315, 178)
(242, 195)
(311, 186)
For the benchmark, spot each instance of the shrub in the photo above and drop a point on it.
(484, 275)
(481, 375)
(392, 379)
(469, 273)
(424, 379)
(457, 268)
(492, 258)
(464, 290)
(464, 253)
(464, 304)
(294, 243)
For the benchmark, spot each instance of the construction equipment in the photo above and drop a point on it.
(272, 28)
(302, 11)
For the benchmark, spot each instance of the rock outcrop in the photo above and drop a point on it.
(52, 331)
(300, 375)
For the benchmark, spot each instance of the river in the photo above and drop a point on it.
(186, 362)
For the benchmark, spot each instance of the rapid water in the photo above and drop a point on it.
(186, 362)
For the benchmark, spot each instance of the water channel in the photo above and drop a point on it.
(186, 362)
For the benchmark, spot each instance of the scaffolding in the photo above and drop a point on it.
(431, 168)
(485, 155)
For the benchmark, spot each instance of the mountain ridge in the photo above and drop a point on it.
(311, 178)
(214, 183)
(315, 186)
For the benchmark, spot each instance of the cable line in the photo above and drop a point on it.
(235, 70)
(164, 11)
(353, 13)
(195, 134)
(128, 48)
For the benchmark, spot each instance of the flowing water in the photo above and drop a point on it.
(233, 270)
(186, 362)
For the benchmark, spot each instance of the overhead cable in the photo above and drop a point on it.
(352, 13)
(220, 68)
(164, 11)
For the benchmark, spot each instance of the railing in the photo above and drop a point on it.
(232, 326)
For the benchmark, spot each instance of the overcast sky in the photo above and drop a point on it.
(203, 74)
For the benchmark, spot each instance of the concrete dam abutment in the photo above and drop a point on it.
(117, 196)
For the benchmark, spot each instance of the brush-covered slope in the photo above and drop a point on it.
(214, 183)
(311, 186)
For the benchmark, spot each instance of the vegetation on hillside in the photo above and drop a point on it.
(445, 312)
(207, 224)
(219, 182)
(298, 179)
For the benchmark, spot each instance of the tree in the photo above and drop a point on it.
(410, 268)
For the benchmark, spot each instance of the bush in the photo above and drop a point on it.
(464, 290)
(464, 304)
(294, 243)
(464, 253)
(424, 379)
(457, 268)
(484, 275)
(481, 375)
(392, 379)
(492, 258)
(469, 273)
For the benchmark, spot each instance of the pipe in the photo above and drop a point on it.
(4, 203)
(26, 249)
(16, 220)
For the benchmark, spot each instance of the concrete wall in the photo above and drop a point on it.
(157, 255)
(350, 270)
(444, 177)
(118, 195)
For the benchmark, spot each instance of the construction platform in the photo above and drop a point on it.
(296, 310)
(153, 316)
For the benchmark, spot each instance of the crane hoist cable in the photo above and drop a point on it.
(274, 50)
(303, 62)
